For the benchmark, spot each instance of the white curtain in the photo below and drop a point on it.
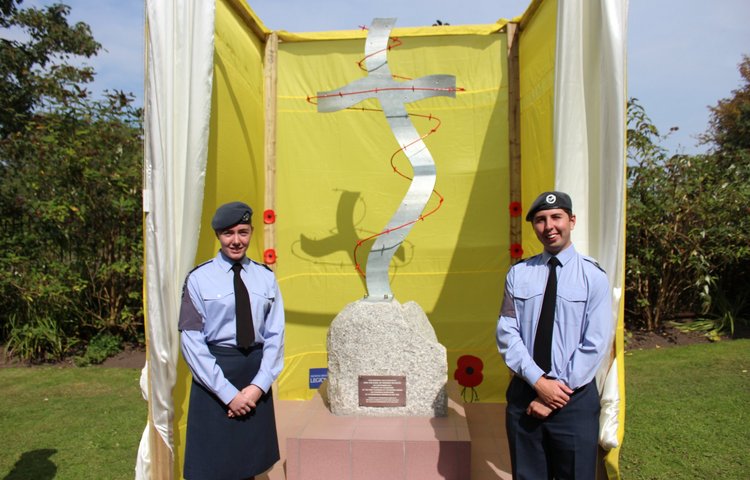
(589, 144)
(179, 64)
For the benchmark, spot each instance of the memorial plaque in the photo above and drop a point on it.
(382, 391)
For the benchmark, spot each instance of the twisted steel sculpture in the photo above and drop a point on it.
(393, 95)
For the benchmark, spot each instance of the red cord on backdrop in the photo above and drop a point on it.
(394, 42)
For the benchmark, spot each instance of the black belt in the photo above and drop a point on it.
(222, 348)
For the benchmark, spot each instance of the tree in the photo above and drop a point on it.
(70, 186)
(687, 254)
(729, 126)
(655, 276)
(729, 137)
(37, 70)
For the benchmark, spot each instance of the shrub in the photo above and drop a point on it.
(100, 348)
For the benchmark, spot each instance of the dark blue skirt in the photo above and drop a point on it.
(221, 448)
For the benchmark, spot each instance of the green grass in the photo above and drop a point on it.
(688, 416)
(688, 412)
(70, 423)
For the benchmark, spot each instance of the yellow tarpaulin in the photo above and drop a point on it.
(335, 184)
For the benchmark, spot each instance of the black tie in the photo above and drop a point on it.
(244, 317)
(543, 340)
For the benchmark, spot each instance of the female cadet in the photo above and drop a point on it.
(232, 337)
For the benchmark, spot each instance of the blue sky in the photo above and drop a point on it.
(682, 54)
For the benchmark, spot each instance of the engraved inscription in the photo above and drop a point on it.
(382, 391)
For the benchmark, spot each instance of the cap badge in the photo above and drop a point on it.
(246, 217)
(550, 199)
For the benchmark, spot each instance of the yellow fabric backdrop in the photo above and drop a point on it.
(537, 64)
(335, 185)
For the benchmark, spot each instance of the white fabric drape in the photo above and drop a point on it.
(179, 64)
(589, 144)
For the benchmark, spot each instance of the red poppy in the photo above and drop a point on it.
(516, 250)
(515, 209)
(269, 216)
(269, 256)
(469, 371)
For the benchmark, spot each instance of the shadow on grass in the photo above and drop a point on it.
(34, 465)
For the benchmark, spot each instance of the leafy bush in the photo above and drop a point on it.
(687, 253)
(40, 339)
(70, 193)
(100, 348)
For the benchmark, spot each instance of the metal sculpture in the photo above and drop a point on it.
(393, 95)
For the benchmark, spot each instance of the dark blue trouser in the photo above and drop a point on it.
(562, 446)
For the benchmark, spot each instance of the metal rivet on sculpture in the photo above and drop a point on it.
(393, 95)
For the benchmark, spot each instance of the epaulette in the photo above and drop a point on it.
(524, 260)
(594, 262)
(262, 265)
(184, 284)
(197, 267)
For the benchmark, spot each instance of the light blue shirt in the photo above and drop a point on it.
(583, 327)
(207, 316)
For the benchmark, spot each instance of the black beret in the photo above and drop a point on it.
(548, 201)
(231, 214)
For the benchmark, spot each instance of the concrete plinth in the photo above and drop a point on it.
(362, 448)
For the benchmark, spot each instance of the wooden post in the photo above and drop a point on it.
(514, 129)
(269, 139)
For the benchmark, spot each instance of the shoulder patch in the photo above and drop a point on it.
(593, 262)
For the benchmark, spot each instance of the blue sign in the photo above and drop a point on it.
(317, 375)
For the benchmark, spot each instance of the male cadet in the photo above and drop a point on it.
(554, 330)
